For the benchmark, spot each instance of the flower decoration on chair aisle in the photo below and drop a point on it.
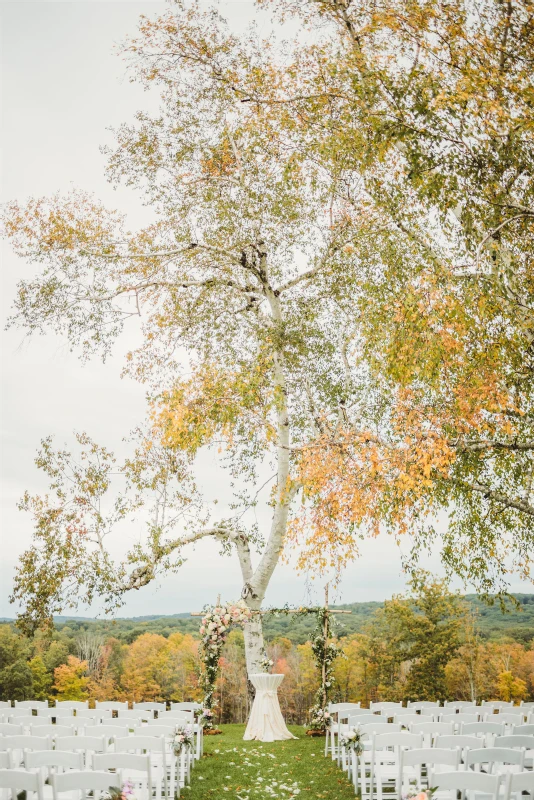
(415, 793)
(216, 624)
(125, 792)
(183, 739)
(352, 741)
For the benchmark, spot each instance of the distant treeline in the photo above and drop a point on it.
(516, 623)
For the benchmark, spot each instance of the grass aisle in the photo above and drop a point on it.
(238, 770)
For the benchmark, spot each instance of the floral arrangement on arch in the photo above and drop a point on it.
(325, 653)
(184, 739)
(214, 629)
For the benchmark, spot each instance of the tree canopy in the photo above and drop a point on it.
(338, 283)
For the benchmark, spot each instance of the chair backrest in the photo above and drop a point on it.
(112, 731)
(24, 742)
(457, 741)
(191, 706)
(177, 714)
(52, 730)
(5, 703)
(482, 728)
(333, 708)
(359, 714)
(499, 704)
(401, 739)
(84, 781)
(430, 755)
(5, 759)
(457, 719)
(94, 744)
(76, 704)
(135, 713)
(523, 730)
(93, 713)
(123, 761)
(420, 704)
(518, 782)
(151, 706)
(529, 705)
(23, 718)
(511, 719)
(55, 713)
(430, 711)
(515, 740)
(111, 705)
(31, 704)
(19, 780)
(453, 704)
(379, 706)
(53, 758)
(406, 719)
(494, 755)
(461, 781)
(380, 727)
(430, 730)
(155, 730)
(10, 729)
(140, 744)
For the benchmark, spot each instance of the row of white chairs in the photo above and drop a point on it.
(93, 713)
(395, 760)
(454, 704)
(109, 705)
(344, 713)
(29, 752)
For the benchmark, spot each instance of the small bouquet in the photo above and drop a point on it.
(267, 664)
(125, 792)
(183, 738)
(416, 793)
(321, 719)
(206, 717)
(352, 741)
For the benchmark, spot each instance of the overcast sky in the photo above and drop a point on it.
(62, 87)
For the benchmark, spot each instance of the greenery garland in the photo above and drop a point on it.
(325, 653)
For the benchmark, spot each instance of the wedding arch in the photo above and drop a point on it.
(218, 620)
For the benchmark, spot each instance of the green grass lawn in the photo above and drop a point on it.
(238, 770)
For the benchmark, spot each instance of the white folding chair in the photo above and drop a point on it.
(511, 719)
(53, 731)
(154, 707)
(111, 705)
(155, 730)
(459, 719)
(386, 706)
(162, 773)
(418, 705)
(500, 704)
(335, 709)
(486, 731)
(431, 711)
(55, 713)
(19, 780)
(86, 746)
(190, 705)
(525, 742)
(19, 744)
(429, 731)
(6, 761)
(523, 730)
(133, 767)
(517, 783)
(32, 704)
(412, 762)
(83, 783)
(385, 760)
(9, 729)
(495, 760)
(112, 732)
(5, 704)
(75, 704)
(470, 784)
(453, 705)
(458, 741)
(98, 714)
(406, 719)
(135, 713)
(23, 719)
(46, 763)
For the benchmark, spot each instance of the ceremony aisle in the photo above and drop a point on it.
(238, 770)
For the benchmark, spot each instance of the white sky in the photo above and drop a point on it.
(62, 86)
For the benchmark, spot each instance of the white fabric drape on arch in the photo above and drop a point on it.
(266, 723)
